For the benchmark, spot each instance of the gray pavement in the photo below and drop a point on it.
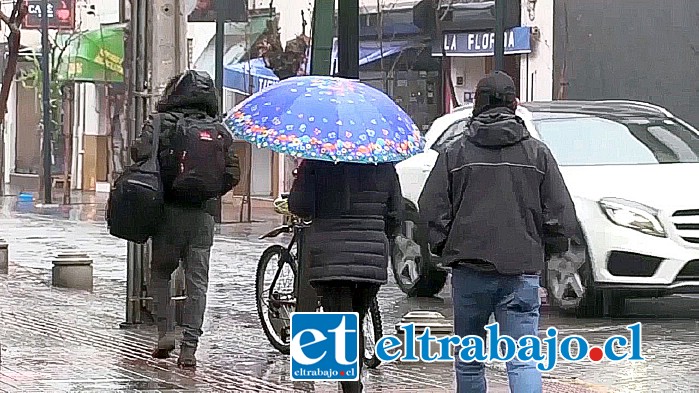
(65, 340)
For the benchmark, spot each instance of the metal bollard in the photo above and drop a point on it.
(439, 327)
(72, 270)
(4, 257)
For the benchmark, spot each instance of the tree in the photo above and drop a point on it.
(32, 78)
(284, 62)
(13, 22)
(60, 90)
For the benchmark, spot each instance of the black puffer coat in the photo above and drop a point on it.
(355, 208)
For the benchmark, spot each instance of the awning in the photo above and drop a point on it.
(371, 51)
(249, 77)
(236, 43)
(95, 56)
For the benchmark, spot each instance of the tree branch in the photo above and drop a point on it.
(19, 11)
(5, 19)
(15, 11)
(59, 59)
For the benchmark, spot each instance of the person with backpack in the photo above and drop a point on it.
(197, 164)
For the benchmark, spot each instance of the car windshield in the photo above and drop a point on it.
(597, 141)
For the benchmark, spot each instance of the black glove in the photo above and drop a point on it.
(555, 245)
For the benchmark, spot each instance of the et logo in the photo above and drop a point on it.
(324, 346)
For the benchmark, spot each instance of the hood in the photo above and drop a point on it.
(190, 91)
(495, 128)
(661, 186)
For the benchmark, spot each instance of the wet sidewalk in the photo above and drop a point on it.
(56, 340)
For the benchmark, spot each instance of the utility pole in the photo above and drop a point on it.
(220, 42)
(348, 67)
(3, 51)
(158, 49)
(46, 101)
(138, 102)
(348, 39)
(322, 32)
(122, 11)
(500, 15)
(168, 38)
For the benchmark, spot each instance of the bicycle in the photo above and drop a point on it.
(276, 319)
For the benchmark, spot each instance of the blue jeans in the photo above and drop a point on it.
(515, 302)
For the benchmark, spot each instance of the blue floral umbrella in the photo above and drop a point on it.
(327, 118)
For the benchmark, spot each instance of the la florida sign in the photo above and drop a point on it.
(476, 44)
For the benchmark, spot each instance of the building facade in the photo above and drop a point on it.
(91, 119)
(463, 40)
(643, 50)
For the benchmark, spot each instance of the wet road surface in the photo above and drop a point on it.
(70, 341)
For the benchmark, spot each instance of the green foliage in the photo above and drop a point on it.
(33, 77)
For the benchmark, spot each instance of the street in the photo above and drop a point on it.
(56, 339)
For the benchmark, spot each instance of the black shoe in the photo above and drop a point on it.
(165, 345)
(352, 387)
(187, 358)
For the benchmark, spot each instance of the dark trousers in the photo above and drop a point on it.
(347, 296)
(186, 235)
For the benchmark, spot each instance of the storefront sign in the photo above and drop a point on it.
(476, 44)
(61, 14)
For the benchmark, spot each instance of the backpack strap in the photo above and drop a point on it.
(153, 161)
(157, 127)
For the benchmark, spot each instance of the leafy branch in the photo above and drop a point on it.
(33, 77)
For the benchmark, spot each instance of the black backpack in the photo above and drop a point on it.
(198, 155)
(135, 205)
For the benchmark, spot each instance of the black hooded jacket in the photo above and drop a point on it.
(355, 209)
(494, 195)
(191, 94)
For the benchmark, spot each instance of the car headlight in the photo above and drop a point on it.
(633, 215)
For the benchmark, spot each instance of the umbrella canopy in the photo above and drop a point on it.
(327, 118)
(96, 56)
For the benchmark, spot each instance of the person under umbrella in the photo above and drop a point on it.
(355, 209)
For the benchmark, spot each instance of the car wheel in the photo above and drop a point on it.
(411, 260)
(571, 286)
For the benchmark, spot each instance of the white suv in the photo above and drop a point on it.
(632, 169)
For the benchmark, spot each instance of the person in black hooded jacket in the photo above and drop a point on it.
(187, 229)
(355, 210)
(492, 201)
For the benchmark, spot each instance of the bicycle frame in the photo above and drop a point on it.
(306, 298)
(295, 226)
(282, 303)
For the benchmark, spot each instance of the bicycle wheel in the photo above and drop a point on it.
(275, 304)
(373, 331)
